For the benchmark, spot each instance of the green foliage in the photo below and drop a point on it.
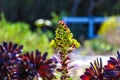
(99, 46)
(56, 17)
(20, 33)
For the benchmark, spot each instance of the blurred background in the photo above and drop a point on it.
(94, 23)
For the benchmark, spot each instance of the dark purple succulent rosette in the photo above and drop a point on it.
(16, 66)
(112, 69)
(39, 65)
(94, 72)
(43, 66)
(8, 60)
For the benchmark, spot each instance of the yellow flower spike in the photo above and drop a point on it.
(64, 43)
(64, 38)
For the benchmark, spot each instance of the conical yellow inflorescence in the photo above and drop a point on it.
(64, 38)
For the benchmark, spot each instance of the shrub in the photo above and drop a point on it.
(103, 48)
(110, 30)
(20, 33)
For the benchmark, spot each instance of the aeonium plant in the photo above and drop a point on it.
(64, 44)
(97, 71)
(17, 66)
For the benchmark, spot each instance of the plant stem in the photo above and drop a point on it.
(64, 64)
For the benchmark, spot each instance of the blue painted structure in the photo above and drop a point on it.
(89, 20)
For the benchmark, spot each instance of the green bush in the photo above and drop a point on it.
(20, 33)
(99, 46)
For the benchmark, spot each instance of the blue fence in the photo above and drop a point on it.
(89, 20)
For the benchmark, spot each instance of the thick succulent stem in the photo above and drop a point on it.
(64, 68)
